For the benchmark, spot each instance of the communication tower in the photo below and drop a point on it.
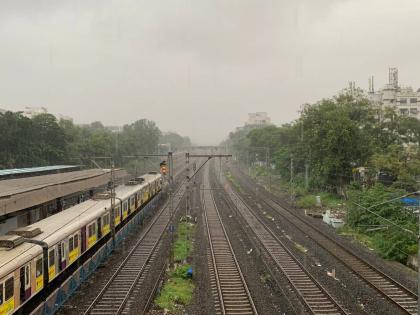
(393, 77)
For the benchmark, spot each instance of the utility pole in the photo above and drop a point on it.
(291, 177)
(268, 164)
(171, 183)
(187, 209)
(171, 203)
(220, 169)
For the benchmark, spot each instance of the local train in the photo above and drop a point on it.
(32, 257)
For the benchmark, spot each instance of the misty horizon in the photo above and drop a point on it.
(198, 68)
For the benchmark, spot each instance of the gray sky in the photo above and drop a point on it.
(198, 66)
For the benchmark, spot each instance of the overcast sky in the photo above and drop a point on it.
(198, 66)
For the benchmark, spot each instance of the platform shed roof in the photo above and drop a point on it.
(22, 193)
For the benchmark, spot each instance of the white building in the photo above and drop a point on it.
(404, 99)
(31, 112)
(258, 119)
(64, 117)
(114, 129)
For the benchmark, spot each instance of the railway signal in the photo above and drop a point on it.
(163, 168)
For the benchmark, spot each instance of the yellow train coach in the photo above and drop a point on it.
(34, 256)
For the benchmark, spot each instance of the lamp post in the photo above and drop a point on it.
(405, 230)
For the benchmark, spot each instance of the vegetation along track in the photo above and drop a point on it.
(113, 297)
(232, 294)
(312, 294)
(391, 289)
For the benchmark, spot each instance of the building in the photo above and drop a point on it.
(114, 129)
(258, 119)
(31, 112)
(64, 117)
(404, 99)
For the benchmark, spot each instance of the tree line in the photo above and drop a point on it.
(323, 150)
(44, 140)
(333, 137)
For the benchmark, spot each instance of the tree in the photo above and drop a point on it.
(16, 141)
(177, 142)
(49, 138)
(140, 137)
(336, 138)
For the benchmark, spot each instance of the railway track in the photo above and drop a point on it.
(389, 288)
(229, 287)
(113, 297)
(313, 295)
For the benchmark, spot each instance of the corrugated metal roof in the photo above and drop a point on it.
(15, 171)
(21, 193)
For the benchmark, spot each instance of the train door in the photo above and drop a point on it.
(136, 199)
(52, 264)
(7, 301)
(62, 261)
(99, 230)
(39, 274)
(83, 240)
(25, 282)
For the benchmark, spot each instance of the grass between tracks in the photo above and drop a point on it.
(230, 178)
(184, 245)
(178, 289)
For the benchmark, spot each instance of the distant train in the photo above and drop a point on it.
(34, 256)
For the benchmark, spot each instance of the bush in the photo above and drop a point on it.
(308, 201)
(327, 200)
(390, 242)
(175, 291)
(181, 271)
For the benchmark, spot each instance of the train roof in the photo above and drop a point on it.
(65, 222)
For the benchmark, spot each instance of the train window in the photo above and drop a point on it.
(1, 293)
(125, 206)
(8, 289)
(76, 241)
(38, 270)
(91, 230)
(51, 258)
(132, 201)
(105, 220)
(71, 243)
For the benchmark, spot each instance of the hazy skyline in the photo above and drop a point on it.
(198, 67)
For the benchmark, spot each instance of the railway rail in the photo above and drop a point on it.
(313, 295)
(231, 292)
(389, 288)
(113, 297)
